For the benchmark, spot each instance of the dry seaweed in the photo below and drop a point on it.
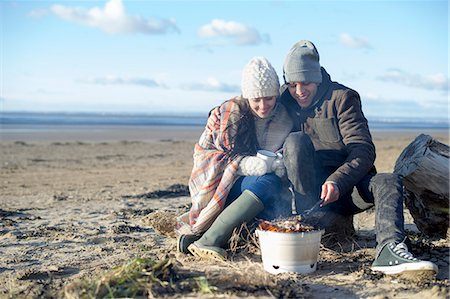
(163, 222)
(139, 277)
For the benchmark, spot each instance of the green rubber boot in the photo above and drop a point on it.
(243, 209)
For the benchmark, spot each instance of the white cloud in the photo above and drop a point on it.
(432, 82)
(240, 34)
(354, 42)
(212, 84)
(113, 18)
(115, 80)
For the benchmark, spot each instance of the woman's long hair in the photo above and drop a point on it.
(244, 141)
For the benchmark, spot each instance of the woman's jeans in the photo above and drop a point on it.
(307, 174)
(267, 188)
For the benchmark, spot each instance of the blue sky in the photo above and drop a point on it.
(186, 56)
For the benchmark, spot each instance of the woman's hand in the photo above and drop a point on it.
(279, 168)
(252, 166)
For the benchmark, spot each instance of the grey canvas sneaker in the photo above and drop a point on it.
(395, 259)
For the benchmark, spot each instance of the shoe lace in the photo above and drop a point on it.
(402, 250)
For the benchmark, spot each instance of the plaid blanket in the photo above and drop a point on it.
(215, 167)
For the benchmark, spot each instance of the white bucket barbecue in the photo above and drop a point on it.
(289, 252)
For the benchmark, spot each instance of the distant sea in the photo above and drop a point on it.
(36, 120)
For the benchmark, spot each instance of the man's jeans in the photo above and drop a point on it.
(307, 174)
(268, 189)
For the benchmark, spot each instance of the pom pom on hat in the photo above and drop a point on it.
(259, 79)
(302, 63)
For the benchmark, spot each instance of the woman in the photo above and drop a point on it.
(229, 184)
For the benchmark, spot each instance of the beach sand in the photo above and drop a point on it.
(77, 203)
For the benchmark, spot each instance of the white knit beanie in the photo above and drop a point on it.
(259, 79)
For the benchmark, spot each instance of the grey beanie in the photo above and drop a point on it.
(302, 63)
(259, 79)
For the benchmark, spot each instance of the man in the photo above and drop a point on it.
(331, 152)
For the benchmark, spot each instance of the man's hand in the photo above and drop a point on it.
(330, 193)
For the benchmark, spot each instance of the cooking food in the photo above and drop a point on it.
(288, 225)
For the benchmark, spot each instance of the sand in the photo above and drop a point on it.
(76, 203)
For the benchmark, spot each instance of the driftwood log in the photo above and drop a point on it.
(424, 166)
